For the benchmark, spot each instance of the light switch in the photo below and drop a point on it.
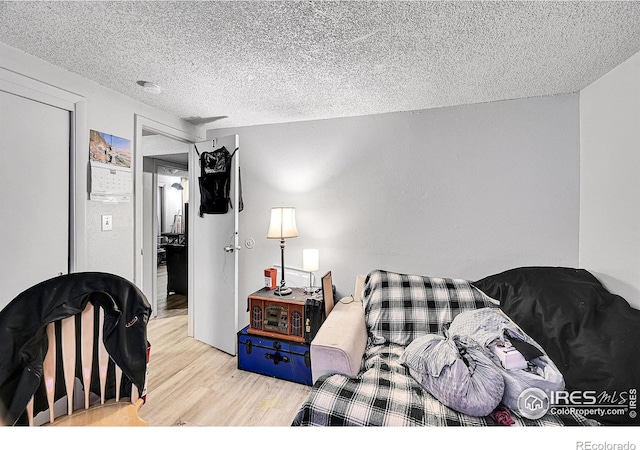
(107, 222)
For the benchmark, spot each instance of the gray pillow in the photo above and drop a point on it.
(457, 373)
(487, 325)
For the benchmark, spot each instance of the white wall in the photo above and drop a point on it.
(610, 179)
(112, 113)
(458, 192)
(454, 192)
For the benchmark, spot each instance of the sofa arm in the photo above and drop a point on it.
(339, 345)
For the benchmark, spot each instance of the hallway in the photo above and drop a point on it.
(173, 305)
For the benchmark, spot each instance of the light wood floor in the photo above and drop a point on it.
(193, 384)
(172, 305)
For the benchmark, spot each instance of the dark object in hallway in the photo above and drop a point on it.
(176, 269)
(172, 305)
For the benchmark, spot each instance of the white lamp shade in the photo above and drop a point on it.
(310, 259)
(283, 223)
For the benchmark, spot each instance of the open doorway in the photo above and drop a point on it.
(172, 215)
(212, 268)
(165, 224)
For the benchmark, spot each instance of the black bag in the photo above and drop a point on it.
(215, 181)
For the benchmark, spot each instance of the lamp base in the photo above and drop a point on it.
(282, 290)
(311, 289)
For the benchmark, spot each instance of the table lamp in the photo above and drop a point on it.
(310, 263)
(282, 226)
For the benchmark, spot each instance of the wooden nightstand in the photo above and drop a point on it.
(277, 340)
(284, 317)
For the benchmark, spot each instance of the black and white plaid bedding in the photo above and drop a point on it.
(399, 308)
(385, 394)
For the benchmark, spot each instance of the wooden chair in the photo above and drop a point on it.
(84, 346)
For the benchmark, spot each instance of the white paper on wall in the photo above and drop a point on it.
(110, 182)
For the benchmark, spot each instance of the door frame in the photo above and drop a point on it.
(32, 89)
(150, 191)
(144, 123)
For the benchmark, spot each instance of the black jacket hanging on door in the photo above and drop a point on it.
(215, 181)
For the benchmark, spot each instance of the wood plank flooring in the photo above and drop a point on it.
(193, 384)
(172, 305)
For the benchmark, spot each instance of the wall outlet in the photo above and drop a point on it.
(107, 222)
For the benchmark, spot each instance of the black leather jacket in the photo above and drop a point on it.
(23, 339)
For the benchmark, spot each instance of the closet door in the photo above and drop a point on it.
(34, 202)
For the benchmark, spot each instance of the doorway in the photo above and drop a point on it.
(171, 215)
(212, 239)
(165, 193)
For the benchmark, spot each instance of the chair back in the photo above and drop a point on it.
(70, 343)
(82, 352)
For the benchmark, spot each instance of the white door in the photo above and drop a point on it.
(34, 205)
(213, 258)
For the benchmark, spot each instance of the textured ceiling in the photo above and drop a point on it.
(245, 63)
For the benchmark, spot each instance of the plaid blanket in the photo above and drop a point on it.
(385, 394)
(399, 308)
